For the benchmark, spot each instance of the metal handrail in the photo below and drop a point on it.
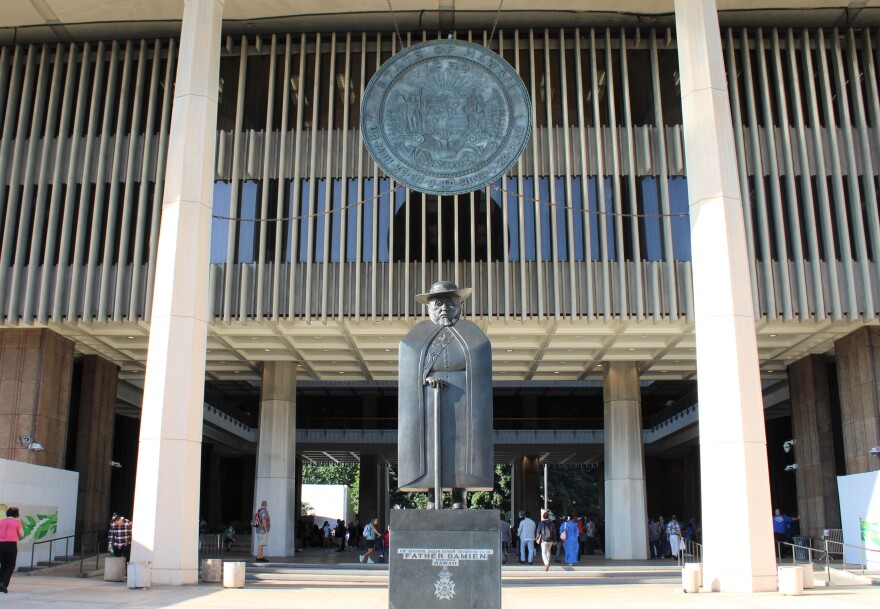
(99, 539)
(824, 553)
(66, 541)
(864, 551)
(211, 545)
(693, 552)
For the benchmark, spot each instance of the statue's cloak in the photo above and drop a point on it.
(461, 358)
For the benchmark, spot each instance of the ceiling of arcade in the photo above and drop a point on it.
(65, 20)
(533, 350)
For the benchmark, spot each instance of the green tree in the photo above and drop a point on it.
(574, 491)
(496, 499)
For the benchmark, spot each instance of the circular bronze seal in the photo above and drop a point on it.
(446, 117)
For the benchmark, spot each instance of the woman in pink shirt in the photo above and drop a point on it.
(10, 532)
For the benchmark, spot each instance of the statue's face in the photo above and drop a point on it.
(445, 310)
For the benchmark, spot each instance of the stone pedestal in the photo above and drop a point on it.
(807, 572)
(690, 581)
(139, 574)
(449, 559)
(114, 569)
(233, 574)
(212, 570)
(791, 581)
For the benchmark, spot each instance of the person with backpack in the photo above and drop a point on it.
(546, 537)
(374, 540)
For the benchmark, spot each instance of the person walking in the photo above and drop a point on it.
(264, 523)
(374, 541)
(505, 540)
(10, 532)
(547, 537)
(526, 534)
(120, 537)
(569, 537)
(654, 537)
(673, 530)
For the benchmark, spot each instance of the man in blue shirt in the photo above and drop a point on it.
(782, 529)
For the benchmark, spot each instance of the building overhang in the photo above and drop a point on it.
(67, 20)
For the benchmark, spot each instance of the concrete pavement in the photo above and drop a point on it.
(328, 580)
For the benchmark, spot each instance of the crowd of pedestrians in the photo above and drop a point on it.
(668, 539)
(565, 539)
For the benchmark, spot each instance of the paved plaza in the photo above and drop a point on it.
(331, 585)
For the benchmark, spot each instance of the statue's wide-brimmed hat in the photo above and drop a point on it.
(443, 288)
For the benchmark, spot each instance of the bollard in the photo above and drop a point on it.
(791, 581)
(690, 580)
(698, 567)
(233, 574)
(808, 575)
(212, 570)
(114, 569)
(139, 574)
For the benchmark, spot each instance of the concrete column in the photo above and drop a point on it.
(36, 367)
(818, 502)
(214, 513)
(858, 371)
(94, 442)
(373, 492)
(298, 487)
(626, 509)
(166, 502)
(528, 488)
(732, 437)
(276, 456)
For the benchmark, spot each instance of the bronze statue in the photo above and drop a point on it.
(445, 391)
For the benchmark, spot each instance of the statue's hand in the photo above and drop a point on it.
(430, 381)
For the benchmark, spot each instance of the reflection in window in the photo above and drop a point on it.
(378, 223)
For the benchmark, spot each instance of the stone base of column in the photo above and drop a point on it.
(625, 530)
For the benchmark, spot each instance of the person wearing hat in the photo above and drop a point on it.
(445, 365)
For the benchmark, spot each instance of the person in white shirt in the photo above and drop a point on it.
(526, 534)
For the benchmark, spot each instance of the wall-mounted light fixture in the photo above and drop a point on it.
(791, 468)
(875, 450)
(30, 444)
(115, 464)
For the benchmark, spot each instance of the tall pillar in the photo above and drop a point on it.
(36, 367)
(626, 510)
(373, 492)
(276, 456)
(94, 442)
(816, 475)
(166, 502)
(213, 511)
(297, 489)
(732, 437)
(528, 487)
(858, 368)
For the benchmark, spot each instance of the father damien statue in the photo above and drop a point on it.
(445, 363)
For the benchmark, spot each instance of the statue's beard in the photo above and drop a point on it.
(446, 321)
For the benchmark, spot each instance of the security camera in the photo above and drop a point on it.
(115, 464)
(875, 450)
(791, 468)
(36, 447)
(788, 445)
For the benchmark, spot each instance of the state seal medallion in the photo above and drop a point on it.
(446, 117)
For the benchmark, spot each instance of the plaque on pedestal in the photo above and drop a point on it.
(445, 559)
